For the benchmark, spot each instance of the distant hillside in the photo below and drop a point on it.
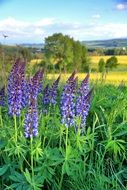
(106, 43)
(38, 46)
(90, 44)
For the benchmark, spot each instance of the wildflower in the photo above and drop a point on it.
(67, 103)
(35, 83)
(31, 121)
(53, 91)
(46, 95)
(15, 88)
(31, 118)
(83, 102)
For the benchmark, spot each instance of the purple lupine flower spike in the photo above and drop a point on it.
(36, 82)
(31, 118)
(67, 103)
(83, 102)
(31, 121)
(2, 96)
(71, 78)
(84, 87)
(15, 88)
(53, 91)
(46, 95)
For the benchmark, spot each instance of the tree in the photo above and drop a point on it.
(101, 65)
(111, 63)
(63, 52)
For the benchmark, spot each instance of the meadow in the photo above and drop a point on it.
(62, 132)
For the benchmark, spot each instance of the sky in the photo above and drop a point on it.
(31, 21)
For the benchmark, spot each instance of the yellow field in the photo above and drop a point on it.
(122, 60)
(35, 61)
(113, 77)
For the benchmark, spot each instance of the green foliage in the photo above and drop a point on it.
(61, 159)
(112, 62)
(63, 53)
(101, 65)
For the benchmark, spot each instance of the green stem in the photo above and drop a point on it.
(1, 119)
(66, 142)
(66, 146)
(15, 124)
(31, 149)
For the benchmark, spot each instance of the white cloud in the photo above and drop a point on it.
(35, 32)
(96, 16)
(121, 6)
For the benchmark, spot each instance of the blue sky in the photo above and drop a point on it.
(30, 21)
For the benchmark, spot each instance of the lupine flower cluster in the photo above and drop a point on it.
(83, 101)
(50, 94)
(2, 96)
(67, 104)
(73, 106)
(15, 88)
(24, 93)
(31, 119)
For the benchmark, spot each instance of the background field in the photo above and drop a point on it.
(122, 60)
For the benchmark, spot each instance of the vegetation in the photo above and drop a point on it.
(63, 53)
(41, 149)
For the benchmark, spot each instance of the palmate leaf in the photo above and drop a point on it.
(116, 146)
(3, 169)
(19, 181)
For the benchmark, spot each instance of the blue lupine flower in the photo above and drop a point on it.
(35, 83)
(31, 122)
(84, 87)
(71, 78)
(15, 88)
(83, 102)
(2, 96)
(67, 104)
(46, 95)
(25, 94)
(53, 91)
(31, 119)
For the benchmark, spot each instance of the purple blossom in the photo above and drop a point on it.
(53, 91)
(46, 95)
(2, 96)
(15, 87)
(83, 102)
(67, 104)
(35, 83)
(50, 94)
(31, 118)
(31, 121)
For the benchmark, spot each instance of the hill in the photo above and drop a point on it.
(111, 43)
